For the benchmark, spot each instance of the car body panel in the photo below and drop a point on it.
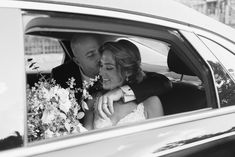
(163, 10)
(12, 88)
(169, 137)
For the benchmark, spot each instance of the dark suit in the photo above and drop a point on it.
(153, 84)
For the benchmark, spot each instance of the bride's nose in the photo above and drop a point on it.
(101, 71)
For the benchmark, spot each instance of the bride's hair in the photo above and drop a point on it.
(127, 58)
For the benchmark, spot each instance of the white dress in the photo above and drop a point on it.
(136, 115)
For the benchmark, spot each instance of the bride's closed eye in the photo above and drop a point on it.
(109, 67)
(106, 66)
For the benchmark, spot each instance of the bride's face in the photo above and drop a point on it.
(109, 72)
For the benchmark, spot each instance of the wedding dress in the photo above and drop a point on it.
(136, 115)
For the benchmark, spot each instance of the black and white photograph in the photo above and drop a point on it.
(117, 78)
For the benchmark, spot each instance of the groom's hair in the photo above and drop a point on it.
(82, 36)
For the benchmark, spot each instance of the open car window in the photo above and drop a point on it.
(164, 53)
(45, 52)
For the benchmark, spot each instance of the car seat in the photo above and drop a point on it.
(184, 96)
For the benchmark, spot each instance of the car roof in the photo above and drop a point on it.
(162, 9)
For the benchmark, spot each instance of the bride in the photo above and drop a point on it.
(120, 65)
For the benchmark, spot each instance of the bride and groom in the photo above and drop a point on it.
(128, 94)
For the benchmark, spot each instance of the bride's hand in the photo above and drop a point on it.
(105, 103)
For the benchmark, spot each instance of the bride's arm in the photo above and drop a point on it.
(122, 109)
(89, 114)
(88, 120)
(153, 107)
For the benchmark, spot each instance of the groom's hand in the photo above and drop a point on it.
(105, 104)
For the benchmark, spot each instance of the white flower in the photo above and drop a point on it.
(63, 94)
(48, 133)
(48, 116)
(62, 115)
(65, 106)
(67, 126)
(64, 101)
(81, 128)
(49, 94)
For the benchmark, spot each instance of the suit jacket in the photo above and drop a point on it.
(62, 73)
(153, 83)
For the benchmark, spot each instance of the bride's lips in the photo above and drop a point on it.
(105, 80)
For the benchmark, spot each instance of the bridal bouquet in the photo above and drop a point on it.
(54, 111)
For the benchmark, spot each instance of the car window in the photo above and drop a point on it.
(153, 54)
(154, 58)
(226, 57)
(224, 78)
(53, 107)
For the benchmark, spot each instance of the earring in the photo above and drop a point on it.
(127, 79)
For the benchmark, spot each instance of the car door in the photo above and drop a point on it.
(222, 145)
(196, 121)
(180, 133)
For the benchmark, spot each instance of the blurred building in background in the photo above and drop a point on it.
(221, 10)
(41, 45)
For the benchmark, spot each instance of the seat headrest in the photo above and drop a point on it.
(176, 65)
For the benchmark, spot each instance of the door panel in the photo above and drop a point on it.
(12, 79)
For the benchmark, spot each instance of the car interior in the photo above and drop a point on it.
(187, 91)
(182, 97)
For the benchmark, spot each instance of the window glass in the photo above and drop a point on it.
(153, 54)
(223, 72)
(154, 58)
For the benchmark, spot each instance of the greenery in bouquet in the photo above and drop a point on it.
(54, 111)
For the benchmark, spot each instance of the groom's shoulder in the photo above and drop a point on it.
(154, 74)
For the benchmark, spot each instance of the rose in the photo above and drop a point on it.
(48, 94)
(64, 101)
(48, 116)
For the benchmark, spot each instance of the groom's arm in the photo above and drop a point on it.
(153, 84)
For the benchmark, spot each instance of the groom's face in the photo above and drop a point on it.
(87, 55)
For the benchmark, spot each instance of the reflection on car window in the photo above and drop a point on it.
(153, 54)
(224, 79)
(223, 55)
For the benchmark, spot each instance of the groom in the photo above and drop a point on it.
(85, 65)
